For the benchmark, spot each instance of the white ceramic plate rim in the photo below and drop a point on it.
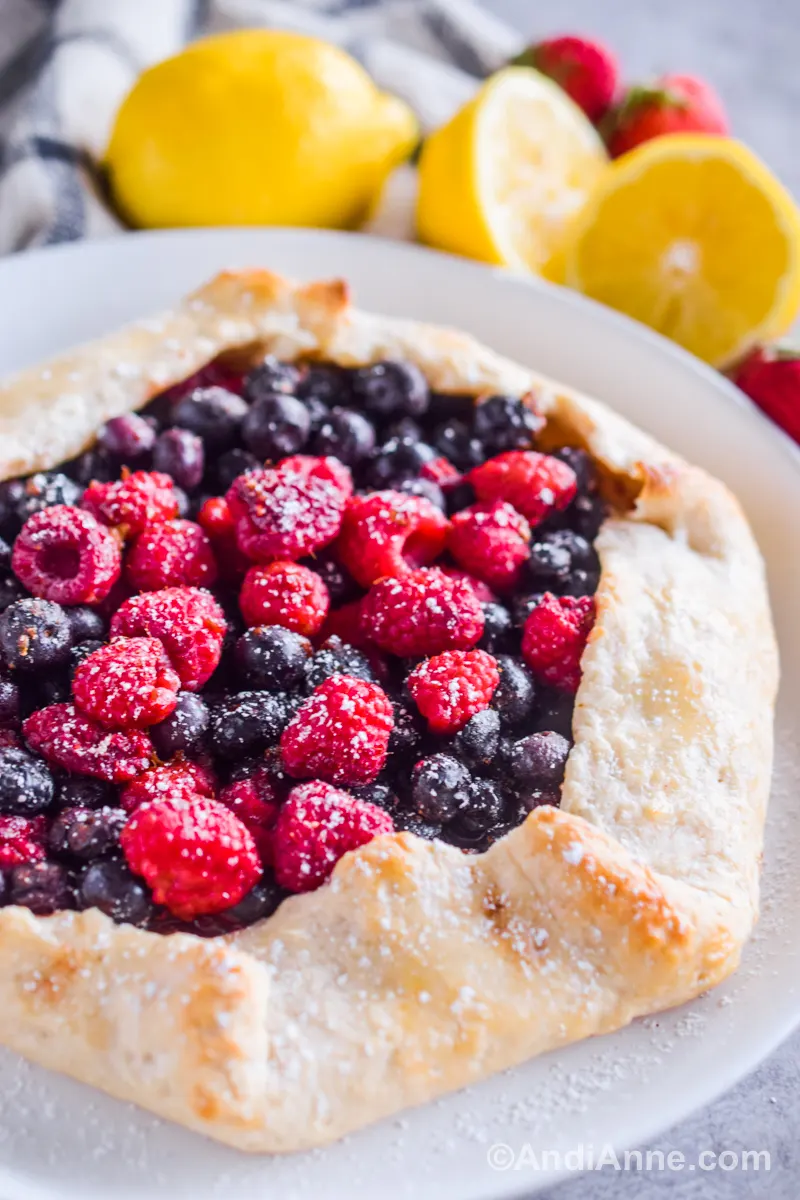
(374, 258)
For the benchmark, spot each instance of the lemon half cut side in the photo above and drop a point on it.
(502, 181)
(692, 235)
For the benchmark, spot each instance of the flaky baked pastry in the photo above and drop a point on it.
(419, 969)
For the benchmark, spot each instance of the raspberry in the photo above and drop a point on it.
(167, 782)
(284, 593)
(215, 519)
(341, 733)
(554, 638)
(64, 554)
(424, 612)
(196, 856)
(173, 554)
(390, 533)
(21, 840)
(133, 501)
(288, 511)
(491, 540)
(454, 686)
(441, 471)
(187, 621)
(323, 467)
(129, 682)
(254, 802)
(481, 589)
(536, 484)
(68, 739)
(317, 825)
(347, 623)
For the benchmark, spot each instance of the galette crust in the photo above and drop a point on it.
(418, 969)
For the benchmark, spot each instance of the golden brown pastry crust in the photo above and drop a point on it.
(419, 969)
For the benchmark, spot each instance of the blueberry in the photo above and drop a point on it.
(5, 555)
(407, 428)
(485, 805)
(276, 426)
(340, 584)
(34, 635)
(272, 658)
(440, 787)
(586, 514)
(86, 624)
(232, 464)
(425, 488)
(581, 464)
(43, 689)
(376, 793)
(43, 887)
(346, 434)
(259, 903)
(407, 734)
(459, 495)
(11, 590)
(580, 583)
(45, 489)
(328, 385)
(247, 723)
(214, 414)
(11, 493)
(269, 376)
(129, 439)
(515, 697)
(182, 500)
(505, 423)
(317, 412)
(9, 703)
(497, 628)
(112, 888)
(389, 389)
(397, 459)
(455, 441)
(556, 556)
(95, 464)
(26, 785)
(444, 406)
(550, 561)
(538, 761)
(522, 606)
(337, 657)
(180, 453)
(79, 791)
(82, 651)
(410, 822)
(184, 730)
(86, 834)
(555, 712)
(534, 798)
(477, 741)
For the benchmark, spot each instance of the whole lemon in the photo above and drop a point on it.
(256, 127)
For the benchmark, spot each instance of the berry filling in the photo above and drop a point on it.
(275, 616)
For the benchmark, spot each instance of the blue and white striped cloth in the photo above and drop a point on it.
(65, 65)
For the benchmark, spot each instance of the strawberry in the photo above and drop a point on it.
(585, 69)
(672, 104)
(770, 376)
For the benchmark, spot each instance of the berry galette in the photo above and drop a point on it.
(374, 714)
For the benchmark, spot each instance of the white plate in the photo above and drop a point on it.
(58, 1139)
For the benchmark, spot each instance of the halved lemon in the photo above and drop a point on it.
(694, 236)
(502, 181)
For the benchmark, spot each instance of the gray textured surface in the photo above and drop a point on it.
(749, 50)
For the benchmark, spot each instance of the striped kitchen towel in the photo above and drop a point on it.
(65, 65)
